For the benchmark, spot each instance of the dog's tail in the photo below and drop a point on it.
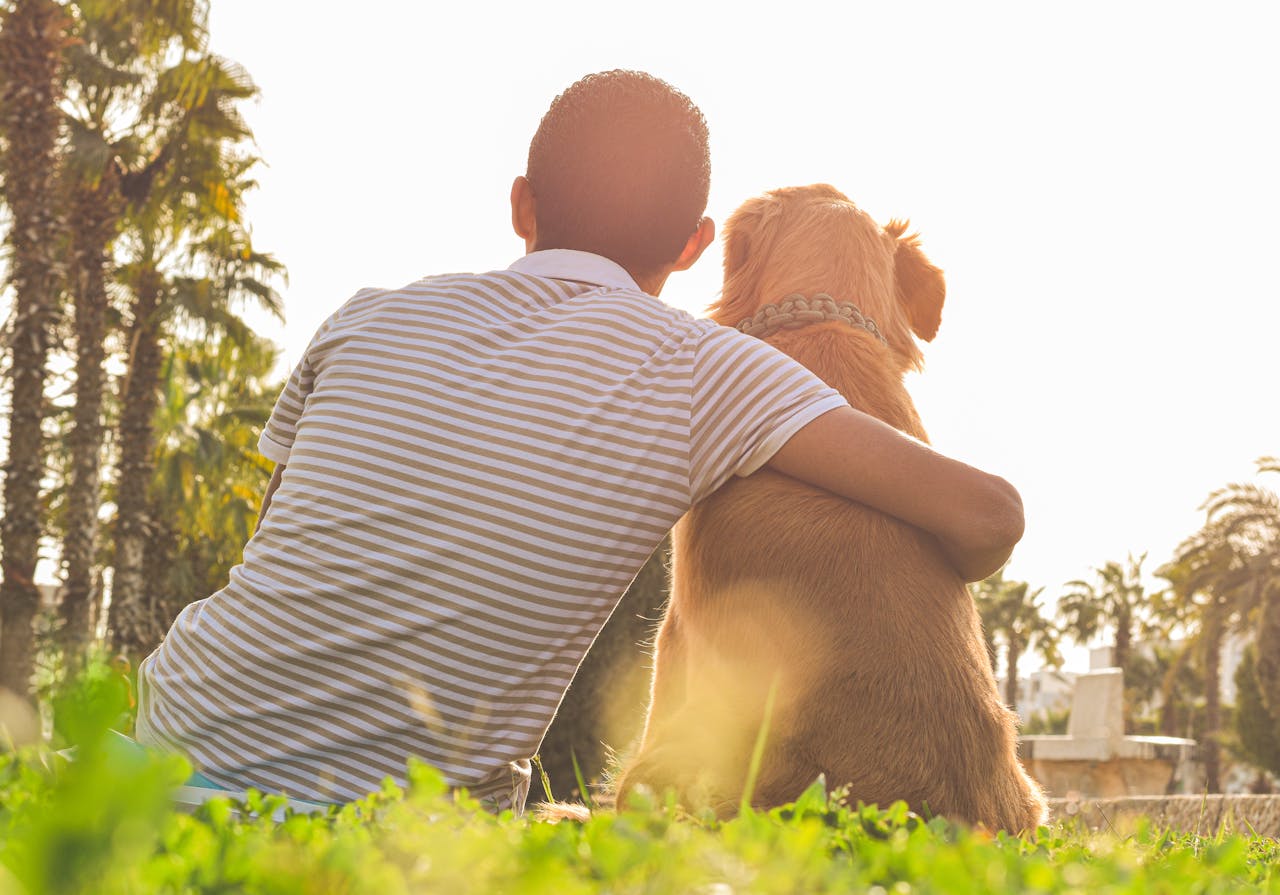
(554, 812)
(598, 796)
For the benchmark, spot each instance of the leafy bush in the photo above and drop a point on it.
(97, 826)
(1047, 722)
(105, 825)
(1257, 729)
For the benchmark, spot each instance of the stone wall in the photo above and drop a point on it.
(1115, 778)
(1205, 815)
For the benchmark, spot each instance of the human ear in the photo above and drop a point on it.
(697, 244)
(524, 219)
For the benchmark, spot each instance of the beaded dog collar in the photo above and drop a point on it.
(796, 311)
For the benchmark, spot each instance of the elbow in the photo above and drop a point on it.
(995, 526)
(1005, 520)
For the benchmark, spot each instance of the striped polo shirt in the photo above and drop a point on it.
(477, 466)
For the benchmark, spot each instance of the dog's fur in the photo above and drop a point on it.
(866, 638)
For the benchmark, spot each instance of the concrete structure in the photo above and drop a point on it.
(1095, 759)
(50, 596)
(1102, 657)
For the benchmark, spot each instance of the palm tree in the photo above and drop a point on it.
(92, 225)
(120, 48)
(1212, 581)
(1172, 616)
(32, 40)
(1011, 612)
(217, 393)
(1268, 643)
(1115, 602)
(986, 596)
(1229, 571)
(1247, 517)
(191, 258)
(1025, 627)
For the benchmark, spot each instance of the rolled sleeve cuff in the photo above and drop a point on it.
(788, 427)
(273, 450)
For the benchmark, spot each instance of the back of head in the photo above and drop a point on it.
(620, 166)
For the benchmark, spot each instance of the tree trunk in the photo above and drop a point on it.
(1123, 637)
(1012, 653)
(133, 629)
(1212, 694)
(1121, 658)
(95, 212)
(1169, 720)
(31, 43)
(162, 600)
(1267, 670)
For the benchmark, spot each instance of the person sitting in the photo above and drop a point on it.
(472, 467)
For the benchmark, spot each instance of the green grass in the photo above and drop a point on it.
(98, 827)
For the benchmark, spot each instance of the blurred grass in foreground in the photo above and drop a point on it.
(103, 824)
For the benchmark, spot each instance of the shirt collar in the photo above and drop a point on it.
(571, 264)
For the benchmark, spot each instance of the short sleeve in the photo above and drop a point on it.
(276, 441)
(748, 399)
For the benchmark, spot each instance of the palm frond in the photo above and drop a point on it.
(87, 151)
(87, 65)
(1243, 496)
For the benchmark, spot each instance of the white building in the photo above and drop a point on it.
(1042, 692)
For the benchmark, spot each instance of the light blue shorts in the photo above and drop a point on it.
(130, 751)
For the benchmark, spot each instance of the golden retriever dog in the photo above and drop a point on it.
(836, 639)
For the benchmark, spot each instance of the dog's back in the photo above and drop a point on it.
(849, 624)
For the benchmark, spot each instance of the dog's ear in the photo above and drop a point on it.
(748, 241)
(919, 285)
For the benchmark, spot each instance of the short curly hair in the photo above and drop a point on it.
(620, 166)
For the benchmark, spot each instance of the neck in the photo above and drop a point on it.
(652, 283)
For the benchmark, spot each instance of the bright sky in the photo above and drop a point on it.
(1099, 181)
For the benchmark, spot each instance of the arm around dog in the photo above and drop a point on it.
(976, 517)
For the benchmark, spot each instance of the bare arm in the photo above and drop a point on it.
(272, 485)
(976, 517)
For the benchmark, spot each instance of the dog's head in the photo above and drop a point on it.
(812, 239)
